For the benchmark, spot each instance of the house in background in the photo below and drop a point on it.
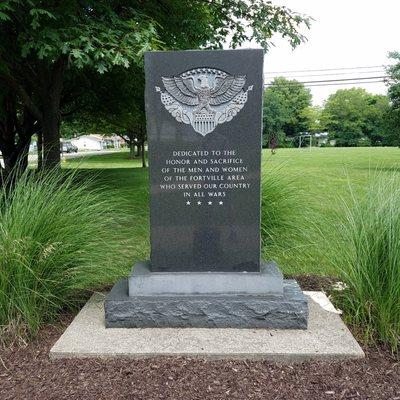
(89, 142)
(115, 141)
(321, 138)
(97, 142)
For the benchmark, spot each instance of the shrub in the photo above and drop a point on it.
(369, 261)
(57, 236)
(364, 142)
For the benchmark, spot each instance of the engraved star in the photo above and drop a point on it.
(221, 202)
(188, 203)
(209, 203)
(199, 203)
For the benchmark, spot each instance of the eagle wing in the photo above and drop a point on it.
(181, 90)
(227, 89)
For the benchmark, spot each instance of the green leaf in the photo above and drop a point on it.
(101, 68)
(35, 24)
(42, 53)
(77, 53)
(118, 59)
(35, 12)
(88, 47)
(4, 17)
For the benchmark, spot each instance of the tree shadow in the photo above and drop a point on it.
(378, 168)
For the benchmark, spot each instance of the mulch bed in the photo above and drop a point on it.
(315, 282)
(27, 373)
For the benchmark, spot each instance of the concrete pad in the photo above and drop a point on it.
(327, 337)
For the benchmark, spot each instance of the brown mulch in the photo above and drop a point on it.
(315, 282)
(27, 373)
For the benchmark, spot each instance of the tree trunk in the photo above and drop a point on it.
(16, 129)
(51, 136)
(131, 149)
(22, 158)
(143, 155)
(51, 115)
(15, 161)
(2, 176)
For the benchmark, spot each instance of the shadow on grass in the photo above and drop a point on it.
(391, 169)
(117, 178)
(103, 161)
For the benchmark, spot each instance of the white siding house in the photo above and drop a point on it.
(321, 138)
(97, 142)
(89, 142)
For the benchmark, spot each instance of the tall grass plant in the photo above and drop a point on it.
(287, 226)
(369, 260)
(58, 236)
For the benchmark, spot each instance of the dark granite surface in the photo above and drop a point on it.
(209, 218)
(289, 311)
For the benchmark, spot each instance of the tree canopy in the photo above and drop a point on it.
(355, 117)
(394, 96)
(313, 119)
(285, 102)
(394, 82)
(50, 52)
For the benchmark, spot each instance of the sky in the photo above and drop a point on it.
(344, 34)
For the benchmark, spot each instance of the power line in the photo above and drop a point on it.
(336, 83)
(344, 83)
(324, 69)
(336, 80)
(329, 74)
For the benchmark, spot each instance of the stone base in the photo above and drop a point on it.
(146, 282)
(288, 311)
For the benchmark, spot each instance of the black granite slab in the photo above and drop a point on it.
(204, 116)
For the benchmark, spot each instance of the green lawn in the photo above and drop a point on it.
(322, 177)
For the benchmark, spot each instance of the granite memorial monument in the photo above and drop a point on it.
(204, 125)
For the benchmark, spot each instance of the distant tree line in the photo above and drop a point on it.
(352, 117)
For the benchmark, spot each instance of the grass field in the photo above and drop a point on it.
(322, 177)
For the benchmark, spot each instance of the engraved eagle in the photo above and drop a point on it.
(199, 91)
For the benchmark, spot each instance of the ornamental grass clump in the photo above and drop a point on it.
(369, 261)
(286, 226)
(58, 236)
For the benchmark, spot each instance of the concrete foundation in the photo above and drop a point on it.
(326, 337)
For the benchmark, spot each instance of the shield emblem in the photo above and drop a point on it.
(203, 122)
